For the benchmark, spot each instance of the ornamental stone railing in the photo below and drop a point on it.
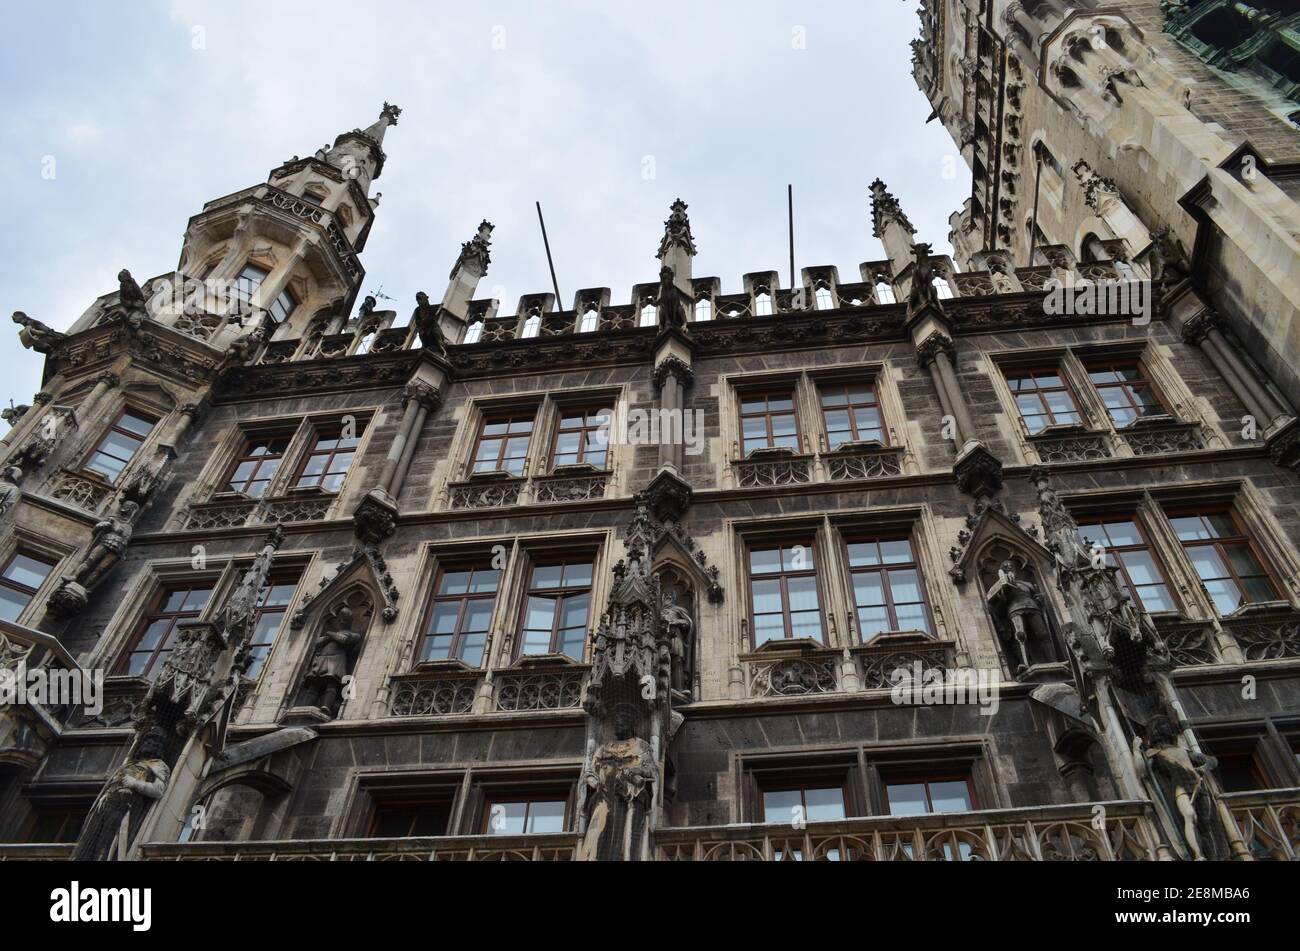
(1269, 822)
(1190, 643)
(485, 494)
(1266, 637)
(236, 513)
(1069, 447)
(551, 847)
(555, 688)
(434, 693)
(570, 487)
(863, 462)
(85, 492)
(1036, 834)
(1160, 438)
(767, 471)
(794, 676)
(887, 653)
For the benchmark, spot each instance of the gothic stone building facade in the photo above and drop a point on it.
(366, 589)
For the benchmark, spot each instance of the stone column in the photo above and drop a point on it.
(426, 400)
(1203, 331)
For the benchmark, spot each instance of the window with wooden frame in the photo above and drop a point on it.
(503, 441)
(919, 794)
(768, 421)
(326, 464)
(531, 813)
(399, 819)
(809, 799)
(20, 580)
(1125, 391)
(1225, 559)
(251, 472)
(888, 588)
(557, 607)
(157, 631)
(118, 446)
(784, 601)
(1043, 398)
(1240, 772)
(582, 436)
(460, 614)
(268, 618)
(1127, 548)
(56, 823)
(851, 413)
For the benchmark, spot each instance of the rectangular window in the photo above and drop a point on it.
(1127, 394)
(117, 447)
(60, 824)
(520, 815)
(460, 614)
(398, 820)
(851, 413)
(326, 466)
(783, 599)
(1240, 772)
(813, 803)
(888, 592)
(1043, 398)
(583, 436)
(919, 796)
(503, 444)
(256, 465)
(269, 619)
(20, 579)
(1127, 549)
(557, 608)
(767, 421)
(157, 632)
(247, 284)
(1224, 559)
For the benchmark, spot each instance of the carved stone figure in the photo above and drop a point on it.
(122, 802)
(425, 320)
(922, 293)
(681, 634)
(109, 539)
(1180, 775)
(131, 298)
(1167, 261)
(1019, 606)
(367, 308)
(35, 335)
(323, 685)
(620, 793)
(13, 414)
(672, 313)
(10, 493)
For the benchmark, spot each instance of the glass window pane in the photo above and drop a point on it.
(135, 424)
(907, 799)
(443, 618)
(863, 553)
(764, 560)
(546, 817)
(27, 571)
(950, 796)
(454, 582)
(506, 818)
(825, 805)
(868, 588)
(768, 627)
(485, 579)
(806, 624)
(781, 805)
(577, 575)
(12, 603)
(547, 576)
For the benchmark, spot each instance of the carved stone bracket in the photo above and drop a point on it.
(677, 368)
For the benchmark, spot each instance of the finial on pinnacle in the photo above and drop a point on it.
(677, 230)
(390, 112)
(885, 205)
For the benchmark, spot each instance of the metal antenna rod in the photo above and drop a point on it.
(559, 303)
(789, 197)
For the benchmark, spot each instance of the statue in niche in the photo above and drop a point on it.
(109, 539)
(1180, 776)
(681, 640)
(124, 799)
(620, 794)
(1020, 617)
(323, 685)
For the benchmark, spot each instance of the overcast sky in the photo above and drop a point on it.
(603, 111)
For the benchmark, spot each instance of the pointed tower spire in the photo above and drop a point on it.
(891, 226)
(678, 247)
(359, 154)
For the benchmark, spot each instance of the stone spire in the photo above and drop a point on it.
(678, 247)
(359, 154)
(891, 226)
(475, 254)
(470, 268)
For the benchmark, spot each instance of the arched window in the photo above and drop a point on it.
(762, 304)
(649, 314)
(532, 326)
(823, 298)
(366, 342)
(941, 288)
(703, 309)
(884, 292)
(473, 332)
(590, 320)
